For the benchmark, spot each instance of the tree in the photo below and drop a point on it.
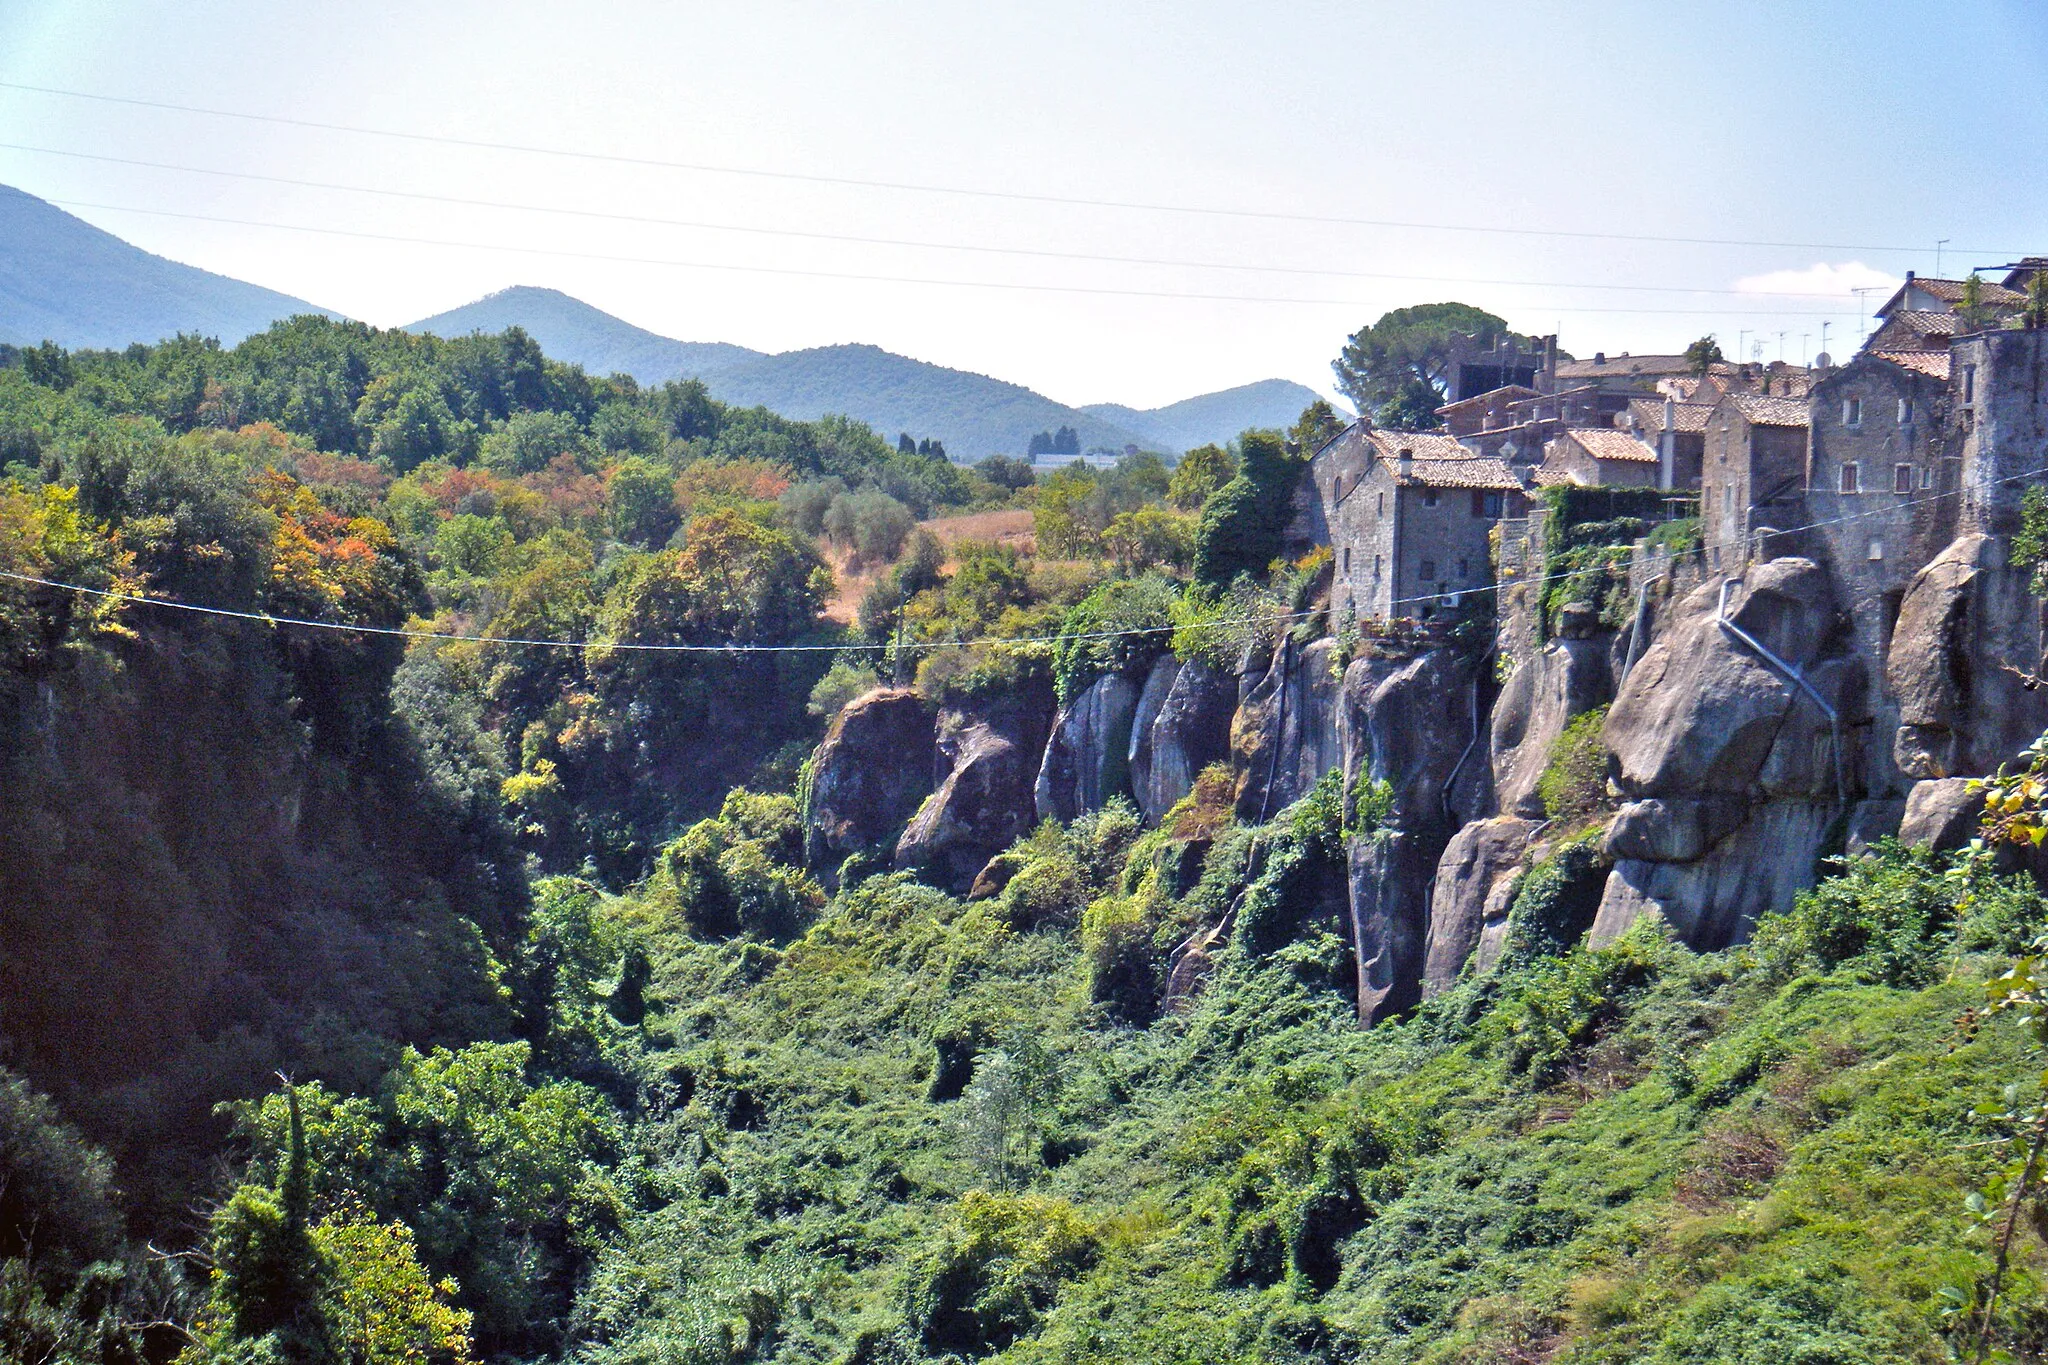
(1410, 346)
(1200, 472)
(1703, 355)
(905, 444)
(1317, 426)
(1240, 528)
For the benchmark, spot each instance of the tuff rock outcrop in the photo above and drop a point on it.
(987, 755)
(1469, 901)
(1965, 664)
(1190, 731)
(1087, 759)
(1284, 736)
(1731, 775)
(870, 774)
(1569, 677)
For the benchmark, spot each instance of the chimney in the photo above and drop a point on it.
(1667, 447)
(1404, 462)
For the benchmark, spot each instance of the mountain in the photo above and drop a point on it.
(1217, 417)
(570, 329)
(973, 414)
(64, 280)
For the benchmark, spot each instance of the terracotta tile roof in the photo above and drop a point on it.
(1547, 477)
(1926, 362)
(1951, 291)
(1440, 462)
(1924, 323)
(1605, 443)
(1770, 412)
(1649, 415)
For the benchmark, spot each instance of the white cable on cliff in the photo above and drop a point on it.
(1722, 620)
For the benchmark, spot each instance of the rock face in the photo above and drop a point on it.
(1190, 731)
(1087, 760)
(987, 757)
(1284, 736)
(870, 773)
(1468, 906)
(1407, 721)
(1731, 773)
(1968, 638)
(1571, 676)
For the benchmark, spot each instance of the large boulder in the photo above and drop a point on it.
(1700, 711)
(1190, 731)
(1087, 759)
(1733, 777)
(1468, 904)
(1941, 814)
(1965, 657)
(868, 776)
(1568, 678)
(983, 805)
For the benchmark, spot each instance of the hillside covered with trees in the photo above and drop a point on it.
(455, 986)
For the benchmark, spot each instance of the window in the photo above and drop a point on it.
(1902, 478)
(1347, 561)
(1852, 412)
(1383, 504)
(1429, 496)
(1727, 497)
(1926, 476)
(1852, 477)
(1478, 503)
(1969, 383)
(1429, 569)
(1905, 411)
(1464, 569)
(1375, 566)
(1876, 552)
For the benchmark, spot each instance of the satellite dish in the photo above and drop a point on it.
(1823, 361)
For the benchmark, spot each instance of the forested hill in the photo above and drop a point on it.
(64, 280)
(1270, 403)
(571, 330)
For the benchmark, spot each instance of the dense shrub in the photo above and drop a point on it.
(1574, 780)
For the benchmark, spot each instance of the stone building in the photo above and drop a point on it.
(1678, 430)
(1753, 475)
(1407, 516)
(1601, 457)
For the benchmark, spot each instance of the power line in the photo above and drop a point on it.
(916, 187)
(1005, 285)
(400, 632)
(925, 245)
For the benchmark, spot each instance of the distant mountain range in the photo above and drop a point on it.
(570, 329)
(62, 279)
(973, 414)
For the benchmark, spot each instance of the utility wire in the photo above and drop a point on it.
(922, 245)
(917, 187)
(583, 645)
(1010, 286)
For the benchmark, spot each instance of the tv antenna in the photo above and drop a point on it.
(1938, 245)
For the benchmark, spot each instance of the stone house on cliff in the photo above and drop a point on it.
(1753, 472)
(1407, 516)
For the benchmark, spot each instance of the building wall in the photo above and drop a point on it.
(1724, 486)
(1444, 545)
(1877, 539)
(1356, 511)
(1998, 385)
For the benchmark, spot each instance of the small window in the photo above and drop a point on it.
(1727, 497)
(1429, 569)
(1375, 566)
(1478, 503)
(1464, 569)
(1969, 383)
(1383, 504)
(1852, 477)
(1347, 561)
(1926, 476)
(1429, 497)
(1852, 412)
(1876, 552)
(1905, 411)
(1902, 478)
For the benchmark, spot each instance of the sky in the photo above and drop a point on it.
(1110, 203)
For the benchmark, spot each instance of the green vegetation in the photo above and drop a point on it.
(1574, 781)
(1394, 369)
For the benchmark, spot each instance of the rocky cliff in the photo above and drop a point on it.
(1741, 746)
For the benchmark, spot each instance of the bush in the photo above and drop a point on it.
(842, 683)
(1090, 643)
(1574, 782)
(1241, 525)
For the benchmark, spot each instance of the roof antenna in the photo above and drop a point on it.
(1937, 255)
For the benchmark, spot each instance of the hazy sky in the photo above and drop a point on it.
(1854, 135)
